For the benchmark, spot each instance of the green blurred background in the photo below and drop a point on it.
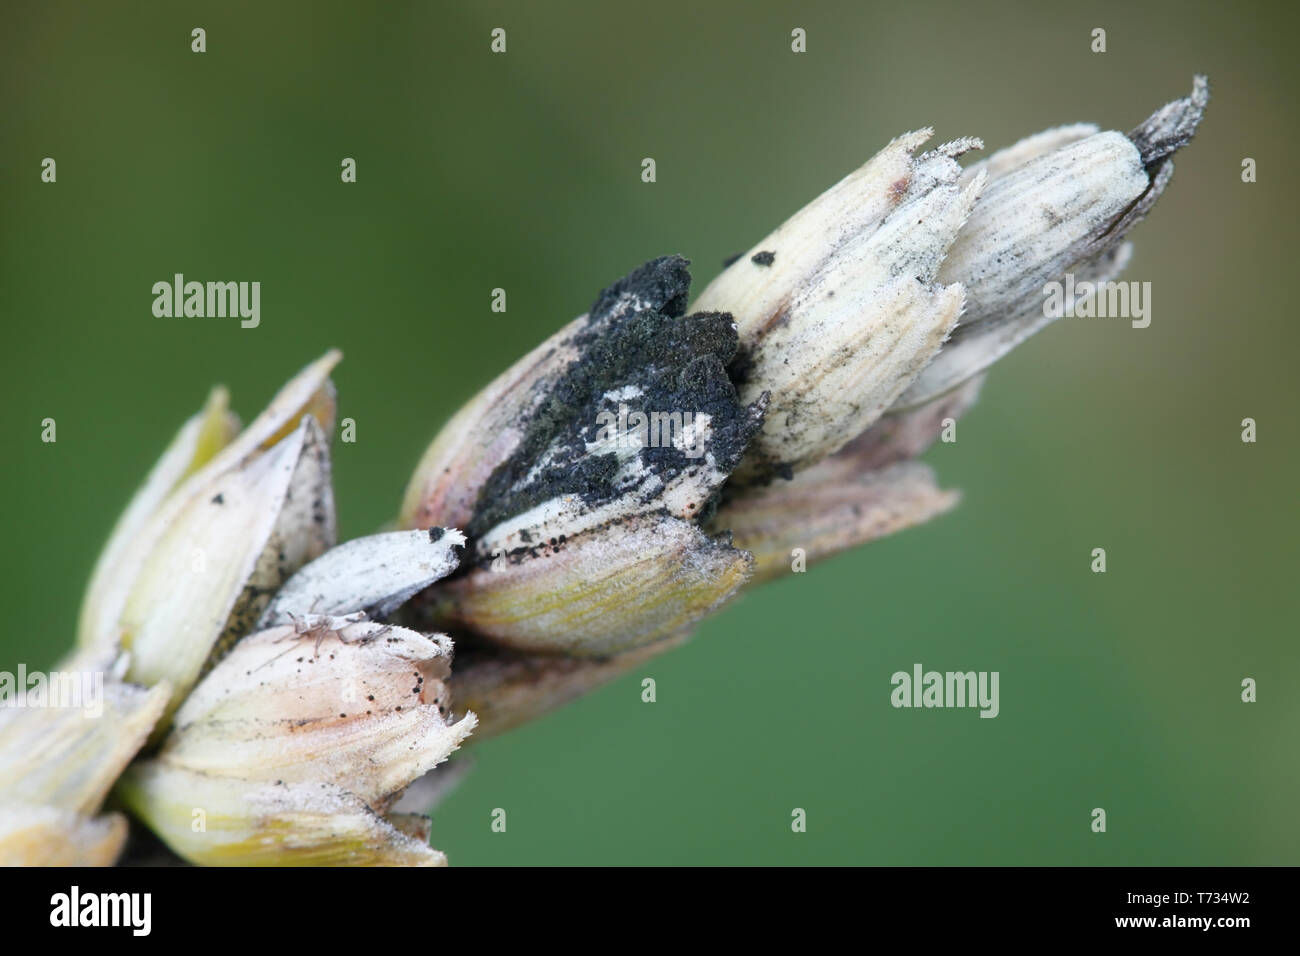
(522, 171)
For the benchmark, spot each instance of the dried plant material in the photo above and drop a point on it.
(69, 756)
(51, 836)
(292, 728)
(614, 587)
(1056, 204)
(1036, 220)
(843, 311)
(59, 761)
(291, 824)
(903, 435)
(833, 506)
(119, 609)
(797, 397)
(198, 441)
(974, 347)
(209, 574)
(373, 575)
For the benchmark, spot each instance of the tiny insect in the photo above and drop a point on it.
(320, 626)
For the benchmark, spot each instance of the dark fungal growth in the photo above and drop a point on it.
(662, 284)
(639, 354)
